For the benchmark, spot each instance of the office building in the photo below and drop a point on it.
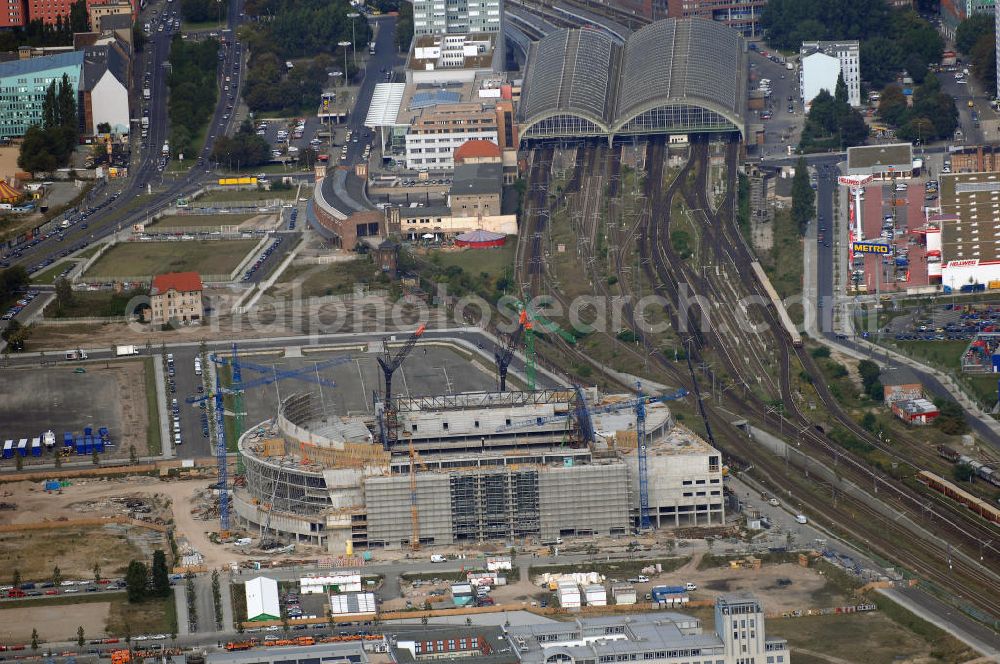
(742, 16)
(953, 12)
(447, 17)
(823, 62)
(23, 84)
(13, 14)
(738, 638)
(176, 297)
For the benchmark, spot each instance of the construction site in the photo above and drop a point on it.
(519, 467)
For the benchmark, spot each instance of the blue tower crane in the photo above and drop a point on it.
(237, 390)
(585, 422)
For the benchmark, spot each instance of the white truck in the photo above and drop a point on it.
(146, 94)
(76, 355)
(122, 351)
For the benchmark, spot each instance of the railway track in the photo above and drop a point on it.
(850, 514)
(725, 241)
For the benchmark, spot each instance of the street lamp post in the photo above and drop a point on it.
(354, 39)
(344, 44)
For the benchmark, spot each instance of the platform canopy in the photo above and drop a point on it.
(384, 107)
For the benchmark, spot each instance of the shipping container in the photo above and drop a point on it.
(22, 447)
(8, 449)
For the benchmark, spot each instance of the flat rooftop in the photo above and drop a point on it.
(420, 97)
(484, 42)
(899, 155)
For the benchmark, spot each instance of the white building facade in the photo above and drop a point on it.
(109, 103)
(823, 62)
(432, 17)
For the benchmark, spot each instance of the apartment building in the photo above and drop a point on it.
(176, 297)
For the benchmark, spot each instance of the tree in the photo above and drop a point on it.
(103, 128)
(161, 578)
(16, 579)
(963, 472)
(892, 105)
(803, 196)
(79, 636)
(95, 458)
(136, 581)
(869, 422)
(971, 30)
(34, 638)
(984, 64)
(64, 292)
(57, 576)
(404, 26)
(138, 38)
(35, 154)
(951, 419)
(132, 458)
(79, 21)
(840, 91)
(19, 462)
(97, 572)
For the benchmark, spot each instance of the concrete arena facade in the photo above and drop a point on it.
(326, 481)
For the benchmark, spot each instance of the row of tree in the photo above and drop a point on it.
(143, 582)
(49, 146)
(976, 38)
(193, 91)
(202, 11)
(931, 116)
(832, 124)
(243, 149)
(891, 40)
(272, 87)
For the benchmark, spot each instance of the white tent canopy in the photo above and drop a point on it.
(262, 599)
(385, 104)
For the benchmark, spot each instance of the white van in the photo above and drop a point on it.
(438, 558)
(801, 518)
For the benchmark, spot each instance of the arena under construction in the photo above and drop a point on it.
(517, 467)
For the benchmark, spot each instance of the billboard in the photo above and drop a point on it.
(870, 248)
(854, 180)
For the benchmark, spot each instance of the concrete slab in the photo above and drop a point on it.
(432, 369)
(35, 400)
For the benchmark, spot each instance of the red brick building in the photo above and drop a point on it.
(740, 15)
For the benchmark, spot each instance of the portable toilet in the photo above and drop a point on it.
(81, 445)
(22, 447)
(99, 445)
(8, 449)
(88, 431)
(103, 433)
(67, 439)
(36, 447)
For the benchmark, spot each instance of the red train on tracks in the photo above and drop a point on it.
(977, 505)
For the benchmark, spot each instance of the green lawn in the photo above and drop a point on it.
(942, 354)
(156, 615)
(237, 195)
(474, 261)
(202, 220)
(87, 304)
(150, 258)
(332, 279)
(49, 276)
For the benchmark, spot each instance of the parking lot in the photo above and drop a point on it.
(291, 143)
(893, 214)
(59, 399)
(946, 322)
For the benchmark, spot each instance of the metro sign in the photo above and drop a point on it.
(870, 248)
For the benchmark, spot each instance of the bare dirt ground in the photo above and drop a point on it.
(177, 497)
(317, 315)
(54, 623)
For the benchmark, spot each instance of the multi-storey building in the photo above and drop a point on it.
(23, 84)
(176, 296)
(663, 637)
(823, 62)
(433, 136)
(969, 229)
(438, 17)
(740, 15)
(954, 12)
(13, 14)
